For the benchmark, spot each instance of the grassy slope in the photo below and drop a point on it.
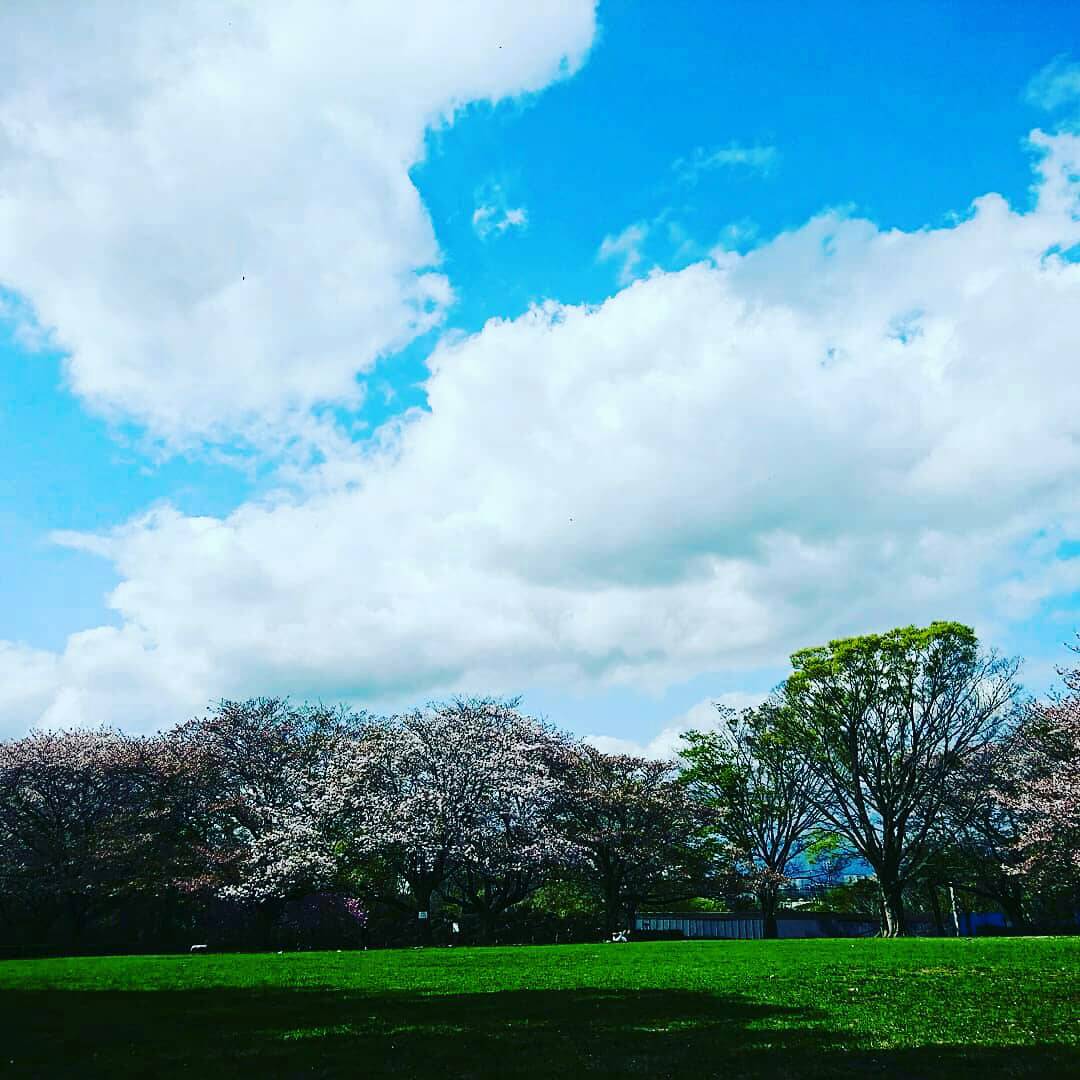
(967, 1008)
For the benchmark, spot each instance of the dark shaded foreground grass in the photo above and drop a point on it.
(689, 1009)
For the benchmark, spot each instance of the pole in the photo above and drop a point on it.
(952, 905)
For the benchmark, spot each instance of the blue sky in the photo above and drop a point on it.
(506, 164)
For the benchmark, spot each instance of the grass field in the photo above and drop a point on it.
(916, 1008)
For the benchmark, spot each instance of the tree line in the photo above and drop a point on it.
(266, 823)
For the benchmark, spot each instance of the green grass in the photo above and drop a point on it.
(918, 1008)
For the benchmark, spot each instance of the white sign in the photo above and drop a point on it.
(421, 914)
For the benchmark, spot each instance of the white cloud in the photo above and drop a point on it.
(760, 159)
(845, 429)
(625, 250)
(703, 716)
(29, 681)
(1056, 84)
(210, 203)
(493, 215)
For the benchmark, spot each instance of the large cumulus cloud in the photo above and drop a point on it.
(846, 428)
(209, 205)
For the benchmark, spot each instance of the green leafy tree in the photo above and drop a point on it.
(859, 897)
(765, 796)
(885, 723)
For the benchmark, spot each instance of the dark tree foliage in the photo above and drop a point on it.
(89, 821)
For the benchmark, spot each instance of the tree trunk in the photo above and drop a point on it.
(1013, 906)
(611, 911)
(892, 900)
(767, 898)
(935, 907)
(78, 916)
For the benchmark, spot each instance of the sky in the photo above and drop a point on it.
(601, 355)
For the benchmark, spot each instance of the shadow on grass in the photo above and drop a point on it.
(563, 1033)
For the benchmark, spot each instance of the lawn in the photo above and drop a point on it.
(866, 1008)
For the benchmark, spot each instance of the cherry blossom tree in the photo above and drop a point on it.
(1041, 785)
(455, 800)
(260, 747)
(262, 764)
(515, 842)
(640, 833)
(976, 843)
(80, 822)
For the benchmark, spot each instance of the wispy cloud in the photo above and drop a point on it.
(625, 248)
(758, 158)
(493, 216)
(1056, 84)
(738, 235)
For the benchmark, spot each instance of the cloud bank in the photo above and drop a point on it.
(844, 429)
